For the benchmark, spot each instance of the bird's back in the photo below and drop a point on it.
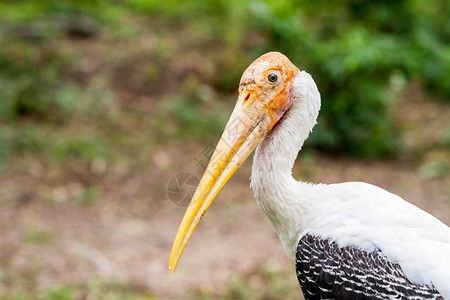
(369, 219)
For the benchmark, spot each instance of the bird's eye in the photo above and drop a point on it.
(272, 77)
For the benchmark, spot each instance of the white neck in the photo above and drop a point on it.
(272, 181)
(351, 213)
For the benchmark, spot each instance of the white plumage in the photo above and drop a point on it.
(348, 240)
(353, 213)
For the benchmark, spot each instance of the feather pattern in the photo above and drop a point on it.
(352, 214)
(327, 271)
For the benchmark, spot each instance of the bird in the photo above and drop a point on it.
(350, 240)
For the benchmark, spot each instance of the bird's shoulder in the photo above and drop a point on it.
(360, 199)
(360, 209)
(365, 216)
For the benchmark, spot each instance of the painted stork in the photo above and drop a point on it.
(349, 240)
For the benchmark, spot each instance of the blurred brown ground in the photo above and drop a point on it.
(127, 232)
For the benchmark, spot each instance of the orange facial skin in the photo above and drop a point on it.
(265, 94)
(276, 97)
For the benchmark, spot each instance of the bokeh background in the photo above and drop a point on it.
(108, 109)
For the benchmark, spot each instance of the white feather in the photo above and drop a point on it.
(352, 213)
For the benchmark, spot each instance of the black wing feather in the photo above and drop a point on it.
(327, 271)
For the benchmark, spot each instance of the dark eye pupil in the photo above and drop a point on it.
(272, 77)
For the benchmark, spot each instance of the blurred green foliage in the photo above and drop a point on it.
(38, 237)
(361, 53)
(95, 289)
(356, 50)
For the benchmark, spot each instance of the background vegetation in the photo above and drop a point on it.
(361, 55)
(85, 85)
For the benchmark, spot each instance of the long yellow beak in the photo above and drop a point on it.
(248, 124)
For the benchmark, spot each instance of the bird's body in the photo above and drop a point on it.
(353, 214)
(348, 240)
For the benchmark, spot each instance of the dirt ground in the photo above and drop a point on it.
(126, 234)
(122, 236)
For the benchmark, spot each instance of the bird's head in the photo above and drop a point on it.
(265, 94)
(265, 90)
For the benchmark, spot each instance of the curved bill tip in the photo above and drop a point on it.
(241, 136)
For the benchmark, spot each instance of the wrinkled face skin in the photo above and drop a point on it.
(268, 82)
